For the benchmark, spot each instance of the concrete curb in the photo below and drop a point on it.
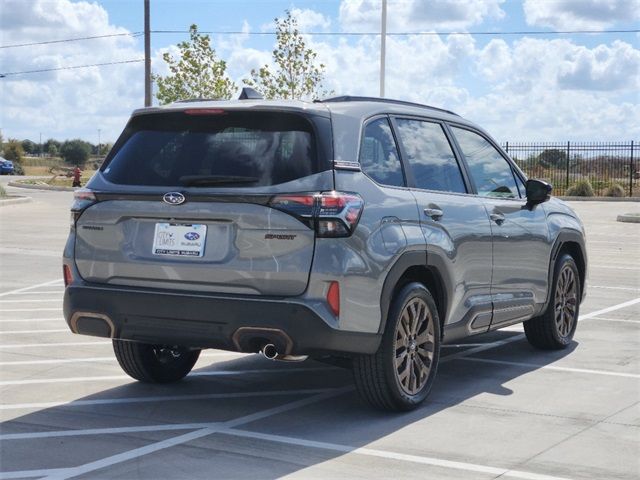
(601, 199)
(41, 187)
(14, 200)
(629, 218)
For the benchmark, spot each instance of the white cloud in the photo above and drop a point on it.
(308, 20)
(555, 89)
(580, 14)
(413, 15)
(66, 103)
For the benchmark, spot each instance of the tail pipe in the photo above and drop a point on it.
(271, 352)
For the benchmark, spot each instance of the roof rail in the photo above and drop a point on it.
(353, 98)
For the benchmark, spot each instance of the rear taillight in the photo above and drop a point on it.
(331, 214)
(68, 276)
(82, 198)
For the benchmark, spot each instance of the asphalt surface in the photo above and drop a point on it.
(498, 408)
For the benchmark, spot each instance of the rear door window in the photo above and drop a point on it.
(490, 171)
(379, 154)
(432, 161)
(242, 148)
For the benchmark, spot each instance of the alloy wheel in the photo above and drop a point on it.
(414, 346)
(566, 301)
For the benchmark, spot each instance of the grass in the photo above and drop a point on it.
(58, 181)
(3, 192)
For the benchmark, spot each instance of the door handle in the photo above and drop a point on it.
(434, 213)
(497, 217)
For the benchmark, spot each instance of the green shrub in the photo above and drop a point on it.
(581, 188)
(17, 169)
(615, 190)
(3, 192)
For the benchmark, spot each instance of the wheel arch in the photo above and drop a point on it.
(413, 267)
(571, 242)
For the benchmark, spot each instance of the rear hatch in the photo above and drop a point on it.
(199, 200)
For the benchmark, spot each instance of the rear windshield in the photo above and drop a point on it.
(221, 149)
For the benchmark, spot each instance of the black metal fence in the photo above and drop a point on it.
(564, 164)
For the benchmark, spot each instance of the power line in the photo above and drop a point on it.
(403, 34)
(327, 34)
(77, 39)
(2, 75)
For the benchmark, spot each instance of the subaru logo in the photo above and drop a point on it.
(173, 198)
(191, 236)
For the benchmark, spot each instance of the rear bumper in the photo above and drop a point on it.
(206, 321)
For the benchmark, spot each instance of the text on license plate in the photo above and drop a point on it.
(179, 239)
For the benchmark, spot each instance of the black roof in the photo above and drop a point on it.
(353, 98)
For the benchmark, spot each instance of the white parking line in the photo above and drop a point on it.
(371, 452)
(551, 367)
(32, 300)
(630, 289)
(216, 373)
(10, 310)
(620, 320)
(41, 292)
(24, 320)
(616, 267)
(129, 400)
(104, 431)
(609, 309)
(32, 287)
(187, 437)
(45, 345)
(53, 361)
(15, 332)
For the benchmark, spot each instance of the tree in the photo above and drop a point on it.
(51, 146)
(296, 73)
(13, 150)
(29, 147)
(552, 157)
(75, 151)
(198, 73)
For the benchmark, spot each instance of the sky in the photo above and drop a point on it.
(523, 87)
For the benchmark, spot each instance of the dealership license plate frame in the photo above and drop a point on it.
(170, 239)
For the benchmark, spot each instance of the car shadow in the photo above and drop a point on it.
(237, 388)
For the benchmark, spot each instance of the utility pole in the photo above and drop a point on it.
(383, 45)
(147, 56)
(98, 143)
(40, 145)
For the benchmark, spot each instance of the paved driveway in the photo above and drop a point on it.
(498, 408)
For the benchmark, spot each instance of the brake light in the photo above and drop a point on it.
(331, 214)
(82, 198)
(333, 298)
(68, 276)
(204, 111)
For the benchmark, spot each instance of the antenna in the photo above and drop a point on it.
(249, 93)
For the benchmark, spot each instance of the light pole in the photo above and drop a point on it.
(98, 143)
(383, 45)
(147, 55)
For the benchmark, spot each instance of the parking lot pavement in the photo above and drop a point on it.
(498, 408)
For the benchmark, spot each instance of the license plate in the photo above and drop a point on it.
(179, 240)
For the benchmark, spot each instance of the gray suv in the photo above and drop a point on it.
(359, 231)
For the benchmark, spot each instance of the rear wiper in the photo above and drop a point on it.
(204, 180)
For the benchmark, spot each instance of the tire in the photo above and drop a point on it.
(554, 329)
(154, 363)
(378, 381)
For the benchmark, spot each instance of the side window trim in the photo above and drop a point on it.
(363, 131)
(404, 157)
(493, 144)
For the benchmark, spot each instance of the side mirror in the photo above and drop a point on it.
(537, 191)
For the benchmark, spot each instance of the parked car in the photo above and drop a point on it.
(6, 167)
(354, 228)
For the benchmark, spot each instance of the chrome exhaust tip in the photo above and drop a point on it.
(269, 351)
